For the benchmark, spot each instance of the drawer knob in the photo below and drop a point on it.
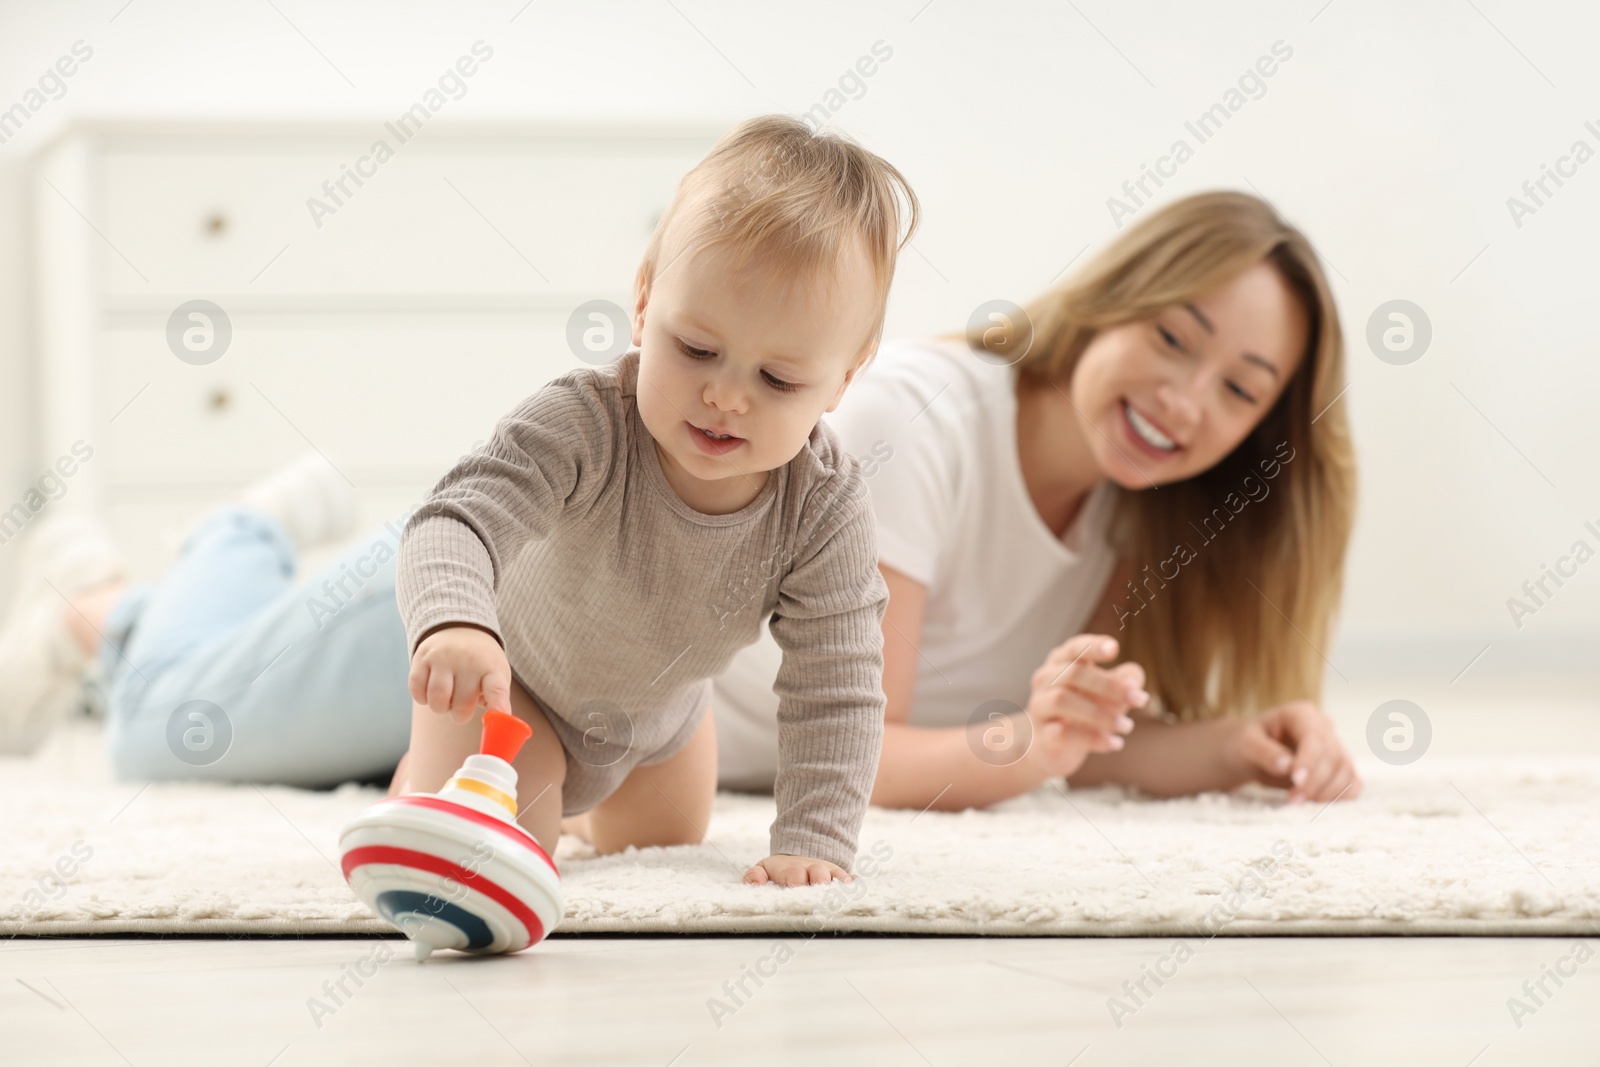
(220, 399)
(216, 224)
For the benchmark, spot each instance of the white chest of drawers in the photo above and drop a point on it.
(389, 332)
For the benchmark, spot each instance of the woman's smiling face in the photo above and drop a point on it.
(1164, 398)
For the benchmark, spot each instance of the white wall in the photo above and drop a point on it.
(1394, 135)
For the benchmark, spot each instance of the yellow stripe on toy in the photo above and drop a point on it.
(484, 789)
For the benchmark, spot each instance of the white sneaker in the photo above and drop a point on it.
(313, 500)
(42, 668)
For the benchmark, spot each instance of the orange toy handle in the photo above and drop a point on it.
(503, 735)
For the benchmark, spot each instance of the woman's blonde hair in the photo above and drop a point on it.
(1241, 619)
(794, 202)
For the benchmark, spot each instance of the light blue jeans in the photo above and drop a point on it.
(229, 670)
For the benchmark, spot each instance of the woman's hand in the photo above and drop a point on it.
(1058, 748)
(1087, 698)
(456, 669)
(1293, 747)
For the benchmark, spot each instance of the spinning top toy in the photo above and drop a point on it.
(453, 869)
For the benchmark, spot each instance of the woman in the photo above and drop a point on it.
(1150, 455)
(1013, 512)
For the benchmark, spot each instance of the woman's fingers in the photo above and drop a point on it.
(1094, 740)
(1132, 673)
(1342, 784)
(1320, 769)
(1058, 736)
(1313, 764)
(1132, 677)
(1272, 759)
(1324, 786)
(1332, 775)
(1070, 704)
(1319, 758)
(1108, 696)
(1081, 647)
(1074, 656)
(1109, 687)
(1102, 696)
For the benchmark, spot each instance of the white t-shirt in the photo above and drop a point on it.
(935, 429)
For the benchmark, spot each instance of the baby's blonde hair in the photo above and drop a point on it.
(792, 200)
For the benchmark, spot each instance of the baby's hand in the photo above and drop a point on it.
(456, 669)
(795, 870)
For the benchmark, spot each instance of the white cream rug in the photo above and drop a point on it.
(1481, 847)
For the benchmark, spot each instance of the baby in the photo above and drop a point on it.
(627, 528)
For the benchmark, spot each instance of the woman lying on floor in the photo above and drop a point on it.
(1159, 467)
(1153, 456)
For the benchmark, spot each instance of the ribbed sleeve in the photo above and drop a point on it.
(830, 685)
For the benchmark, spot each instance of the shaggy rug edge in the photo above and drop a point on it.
(747, 925)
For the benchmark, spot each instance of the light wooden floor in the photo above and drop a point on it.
(830, 1000)
(885, 1001)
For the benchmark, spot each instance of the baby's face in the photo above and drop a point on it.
(720, 353)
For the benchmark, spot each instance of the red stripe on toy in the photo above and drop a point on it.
(510, 831)
(407, 857)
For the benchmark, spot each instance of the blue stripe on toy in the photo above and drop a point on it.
(393, 903)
